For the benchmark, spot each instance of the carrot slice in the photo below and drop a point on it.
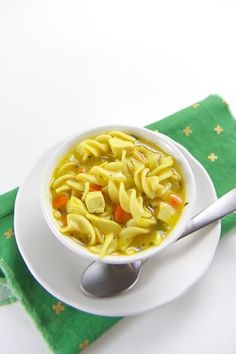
(175, 200)
(59, 201)
(120, 215)
(94, 188)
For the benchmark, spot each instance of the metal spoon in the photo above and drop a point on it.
(100, 279)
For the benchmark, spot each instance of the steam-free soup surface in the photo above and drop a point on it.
(117, 194)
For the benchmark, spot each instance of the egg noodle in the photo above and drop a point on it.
(117, 194)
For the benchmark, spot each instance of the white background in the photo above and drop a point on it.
(73, 64)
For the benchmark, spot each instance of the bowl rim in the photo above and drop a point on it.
(155, 137)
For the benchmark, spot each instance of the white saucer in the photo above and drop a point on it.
(163, 278)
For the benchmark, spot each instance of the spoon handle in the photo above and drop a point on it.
(221, 207)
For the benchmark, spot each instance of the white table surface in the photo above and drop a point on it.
(70, 65)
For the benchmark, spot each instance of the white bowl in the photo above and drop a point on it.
(156, 138)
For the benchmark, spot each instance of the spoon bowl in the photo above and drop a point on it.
(121, 277)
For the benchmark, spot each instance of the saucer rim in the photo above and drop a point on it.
(110, 313)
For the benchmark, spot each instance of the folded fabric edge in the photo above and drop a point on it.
(7, 202)
(13, 284)
(219, 99)
(6, 296)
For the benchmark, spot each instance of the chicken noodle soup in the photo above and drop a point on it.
(117, 194)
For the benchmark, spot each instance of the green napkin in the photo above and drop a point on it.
(208, 130)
